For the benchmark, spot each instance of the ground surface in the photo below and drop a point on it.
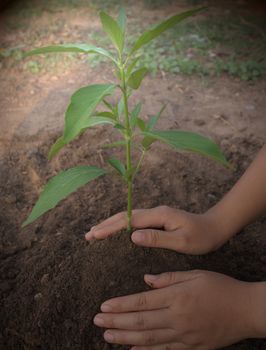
(52, 281)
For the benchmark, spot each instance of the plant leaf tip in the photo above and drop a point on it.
(25, 223)
(27, 54)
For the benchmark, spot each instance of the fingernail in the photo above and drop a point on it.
(98, 234)
(152, 278)
(98, 321)
(108, 337)
(137, 237)
(106, 308)
(87, 235)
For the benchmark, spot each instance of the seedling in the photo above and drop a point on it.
(81, 114)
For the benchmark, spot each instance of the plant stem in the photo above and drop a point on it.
(128, 152)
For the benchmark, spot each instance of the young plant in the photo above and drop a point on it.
(81, 114)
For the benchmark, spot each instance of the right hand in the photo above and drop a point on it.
(165, 227)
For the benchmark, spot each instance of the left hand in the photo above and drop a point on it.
(197, 310)
(165, 227)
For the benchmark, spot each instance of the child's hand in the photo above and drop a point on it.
(189, 310)
(165, 227)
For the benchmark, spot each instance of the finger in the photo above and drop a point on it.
(105, 231)
(151, 300)
(110, 226)
(141, 218)
(108, 223)
(168, 346)
(169, 278)
(154, 217)
(174, 240)
(141, 320)
(151, 337)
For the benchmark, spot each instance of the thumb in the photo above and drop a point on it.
(174, 240)
(169, 278)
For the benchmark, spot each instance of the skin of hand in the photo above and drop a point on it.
(172, 228)
(191, 233)
(204, 303)
(197, 310)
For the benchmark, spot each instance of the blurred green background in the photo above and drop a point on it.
(229, 38)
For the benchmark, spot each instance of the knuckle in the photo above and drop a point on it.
(109, 322)
(163, 210)
(149, 338)
(139, 321)
(168, 277)
(171, 277)
(141, 300)
(121, 215)
(203, 275)
(154, 237)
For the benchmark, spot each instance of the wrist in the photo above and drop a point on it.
(218, 228)
(224, 225)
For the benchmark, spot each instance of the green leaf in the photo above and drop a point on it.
(189, 141)
(108, 105)
(60, 186)
(107, 114)
(136, 77)
(56, 147)
(119, 126)
(77, 117)
(115, 144)
(117, 165)
(141, 124)
(113, 30)
(134, 114)
(83, 103)
(122, 19)
(83, 48)
(150, 34)
(147, 141)
(155, 118)
(132, 66)
(91, 121)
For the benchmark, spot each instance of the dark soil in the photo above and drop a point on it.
(53, 281)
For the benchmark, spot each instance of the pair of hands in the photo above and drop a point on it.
(186, 310)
